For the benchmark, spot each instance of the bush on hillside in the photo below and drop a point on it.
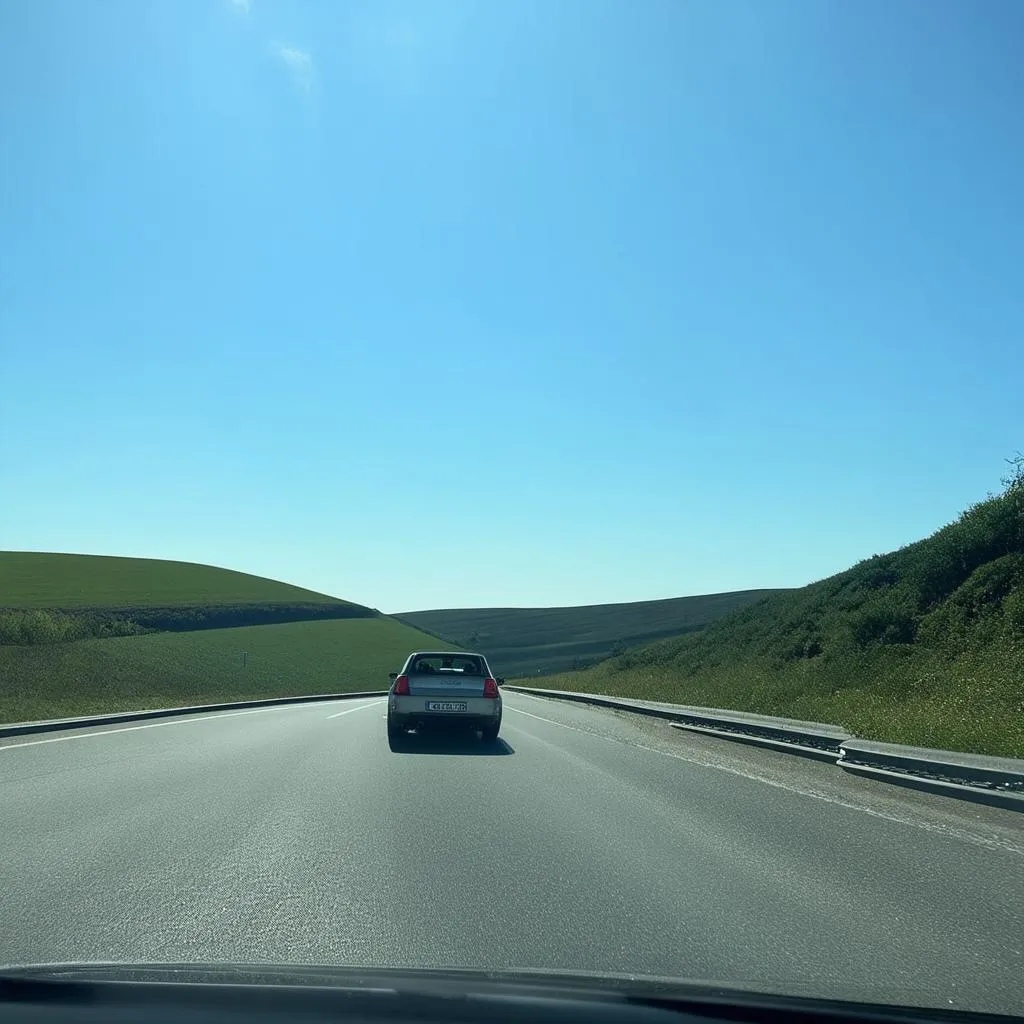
(988, 601)
(887, 624)
(1013, 614)
(185, 618)
(55, 625)
(41, 626)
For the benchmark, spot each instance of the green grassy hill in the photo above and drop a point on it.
(523, 642)
(924, 645)
(47, 597)
(35, 579)
(202, 667)
(88, 633)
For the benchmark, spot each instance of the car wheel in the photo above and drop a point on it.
(489, 733)
(396, 731)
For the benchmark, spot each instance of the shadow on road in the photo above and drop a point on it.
(458, 744)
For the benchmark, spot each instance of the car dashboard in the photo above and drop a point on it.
(181, 994)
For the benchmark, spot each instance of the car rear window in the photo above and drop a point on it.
(456, 664)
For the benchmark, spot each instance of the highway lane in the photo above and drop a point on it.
(583, 839)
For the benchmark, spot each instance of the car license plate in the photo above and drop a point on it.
(445, 705)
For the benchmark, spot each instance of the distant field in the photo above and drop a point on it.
(172, 669)
(524, 642)
(30, 579)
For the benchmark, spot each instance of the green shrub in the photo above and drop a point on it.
(1013, 614)
(38, 626)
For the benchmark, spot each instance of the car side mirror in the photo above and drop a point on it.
(392, 676)
(501, 682)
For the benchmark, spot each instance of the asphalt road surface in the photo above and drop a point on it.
(583, 839)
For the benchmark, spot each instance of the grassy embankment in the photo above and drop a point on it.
(924, 645)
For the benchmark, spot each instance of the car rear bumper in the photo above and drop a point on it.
(412, 711)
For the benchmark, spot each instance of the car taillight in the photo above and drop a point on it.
(402, 686)
(490, 687)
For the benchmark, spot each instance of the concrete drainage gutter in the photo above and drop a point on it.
(997, 781)
(116, 718)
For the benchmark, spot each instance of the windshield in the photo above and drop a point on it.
(446, 663)
(650, 371)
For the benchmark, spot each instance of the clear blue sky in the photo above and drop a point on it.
(431, 304)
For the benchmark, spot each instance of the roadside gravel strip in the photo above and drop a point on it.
(998, 781)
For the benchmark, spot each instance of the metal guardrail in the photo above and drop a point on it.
(1000, 777)
(814, 735)
(998, 781)
(114, 718)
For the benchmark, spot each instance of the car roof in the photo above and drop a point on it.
(445, 654)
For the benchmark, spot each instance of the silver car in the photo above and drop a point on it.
(444, 688)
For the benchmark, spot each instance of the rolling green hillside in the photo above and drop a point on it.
(86, 633)
(202, 667)
(530, 641)
(48, 598)
(31, 579)
(924, 645)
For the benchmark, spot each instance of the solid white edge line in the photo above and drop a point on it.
(348, 711)
(551, 721)
(184, 720)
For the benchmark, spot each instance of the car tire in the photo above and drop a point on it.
(489, 733)
(396, 732)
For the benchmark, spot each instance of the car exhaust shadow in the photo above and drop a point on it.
(458, 744)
